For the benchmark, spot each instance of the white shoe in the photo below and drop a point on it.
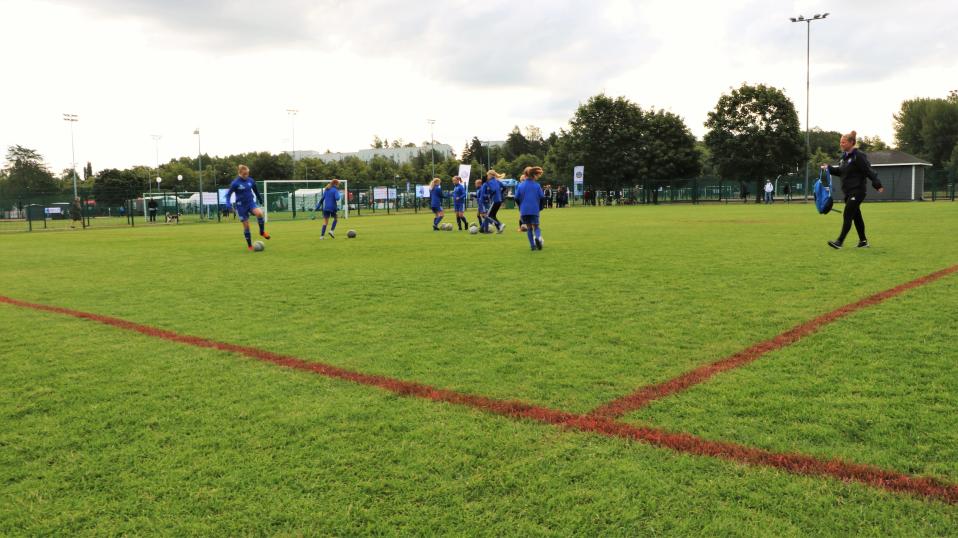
(500, 228)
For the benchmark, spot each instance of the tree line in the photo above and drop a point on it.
(753, 134)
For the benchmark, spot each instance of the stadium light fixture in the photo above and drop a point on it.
(291, 112)
(199, 157)
(72, 118)
(156, 145)
(808, 49)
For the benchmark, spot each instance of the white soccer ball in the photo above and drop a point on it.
(351, 234)
(258, 246)
(473, 229)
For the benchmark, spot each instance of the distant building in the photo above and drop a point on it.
(902, 175)
(400, 155)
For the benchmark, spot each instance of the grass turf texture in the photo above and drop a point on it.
(621, 297)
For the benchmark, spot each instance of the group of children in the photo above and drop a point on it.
(529, 198)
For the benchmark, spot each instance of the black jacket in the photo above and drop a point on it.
(853, 169)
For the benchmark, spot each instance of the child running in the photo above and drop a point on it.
(329, 204)
(494, 192)
(529, 197)
(435, 202)
(247, 196)
(482, 206)
(459, 203)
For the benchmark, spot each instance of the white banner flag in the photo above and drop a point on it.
(464, 171)
(578, 175)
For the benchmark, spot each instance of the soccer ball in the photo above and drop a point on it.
(448, 226)
(473, 229)
(258, 246)
(523, 228)
(351, 234)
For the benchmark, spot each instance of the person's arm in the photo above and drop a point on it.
(230, 193)
(259, 197)
(869, 172)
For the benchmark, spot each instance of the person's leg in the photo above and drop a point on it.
(859, 222)
(261, 221)
(249, 240)
(325, 224)
(531, 235)
(851, 206)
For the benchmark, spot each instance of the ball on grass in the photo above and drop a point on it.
(258, 246)
(473, 229)
(351, 234)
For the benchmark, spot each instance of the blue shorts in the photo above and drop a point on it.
(436, 210)
(530, 219)
(329, 214)
(459, 207)
(243, 211)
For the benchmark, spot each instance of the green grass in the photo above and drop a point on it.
(107, 432)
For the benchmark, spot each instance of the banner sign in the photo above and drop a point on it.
(464, 171)
(380, 193)
(578, 175)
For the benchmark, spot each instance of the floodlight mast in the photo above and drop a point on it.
(808, 48)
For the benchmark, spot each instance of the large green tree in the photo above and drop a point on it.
(620, 144)
(928, 128)
(25, 174)
(754, 135)
(113, 186)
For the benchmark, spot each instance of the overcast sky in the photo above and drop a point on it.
(134, 68)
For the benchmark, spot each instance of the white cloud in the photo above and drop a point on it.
(355, 69)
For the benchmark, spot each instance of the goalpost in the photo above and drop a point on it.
(298, 198)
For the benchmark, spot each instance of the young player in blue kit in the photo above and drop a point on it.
(494, 192)
(247, 196)
(529, 197)
(435, 202)
(482, 206)
(459, 203)
(329, 204)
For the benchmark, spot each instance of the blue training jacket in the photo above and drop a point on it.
(494, 188)
(459, 195)
(435, 197)
(529, 196)
(245, 190)
(329, 200)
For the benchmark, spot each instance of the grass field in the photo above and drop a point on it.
(107, 431)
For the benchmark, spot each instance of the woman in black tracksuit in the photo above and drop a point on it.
(854, 168)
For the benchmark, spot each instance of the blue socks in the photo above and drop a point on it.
(538, 232)
(333, 229)
(435, 221)
(262, 224)
(249, 241)
(532, 240)
(324, 230)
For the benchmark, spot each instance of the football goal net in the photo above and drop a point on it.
(288, 199)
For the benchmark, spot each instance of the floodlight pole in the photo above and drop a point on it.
(72, 118)
(199, 156)
(808, 50)
(292, 114)
(156, 144)
(432, 146)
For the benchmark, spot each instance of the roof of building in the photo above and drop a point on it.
(893, 157)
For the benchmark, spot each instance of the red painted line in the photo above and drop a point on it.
(643, 396)
(681, 442)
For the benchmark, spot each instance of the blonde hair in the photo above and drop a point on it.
(851, 137)
(493, 173)
(531, 171)
(456, 179)
(334, 182)
(435, 181)
(240, 168)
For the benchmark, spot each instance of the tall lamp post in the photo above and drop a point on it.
(432, 146)
(199, 156)
(808, 49)
(72, 118)
(176, 195)
(488, 153)
(292, 114)
(156, 145)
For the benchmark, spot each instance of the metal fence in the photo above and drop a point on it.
(59, 211)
